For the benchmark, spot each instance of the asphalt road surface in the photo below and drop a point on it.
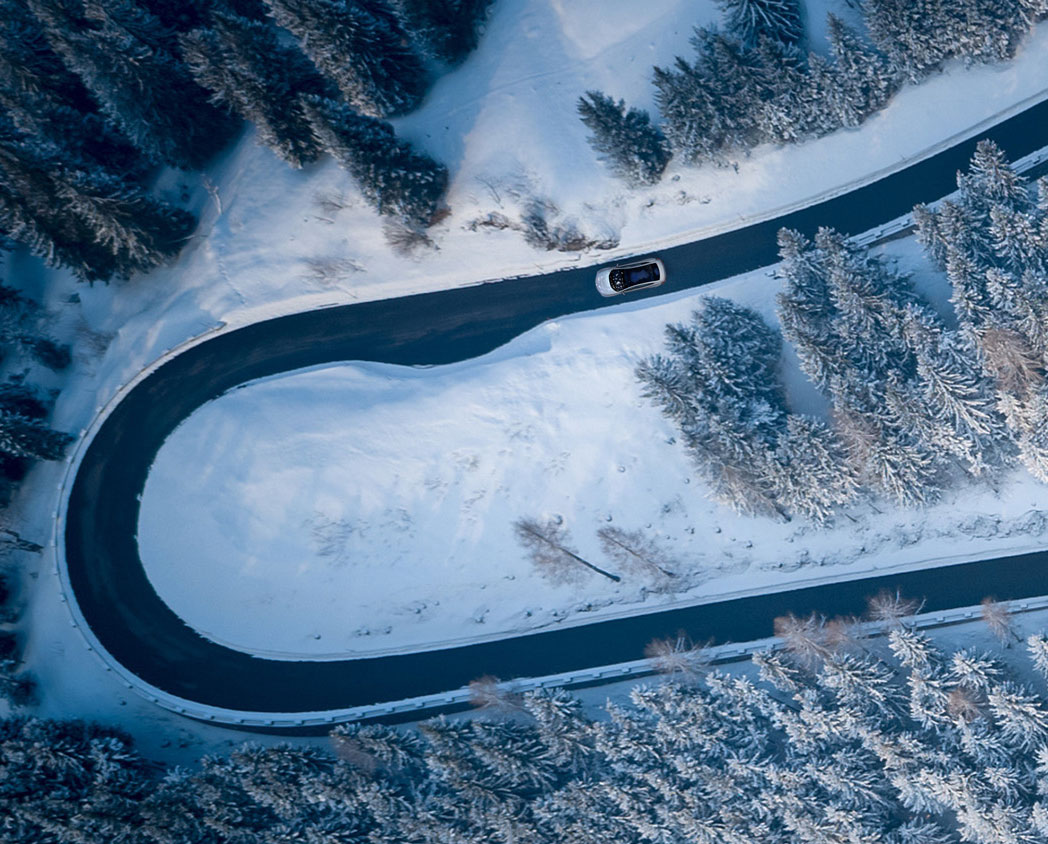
(145, 636)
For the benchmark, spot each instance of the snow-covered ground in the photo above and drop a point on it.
(273, 240)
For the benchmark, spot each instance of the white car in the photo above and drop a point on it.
(638, 275)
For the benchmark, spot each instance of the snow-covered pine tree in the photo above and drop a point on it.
(738, 468)
(919, 36)
(740, 84)
(665, 383)
(139, 231)
(180, 15)
(888, 462)
(43, 98)
(126, 59)
(689, 111)
(992, 242)
(562, 727)
(85, 219)
(30, 215)
(446, 29)
(975, 671)
(1019, 241)
(914, 651)
(27, 62)
(717, 103)
(786, 113)
(366, 55)
(751, 19)
(19, 327)
(863, 77)
(805, 310)
(96, 771)
(992, 181)
(514, 755)
(845, 312)
(396, 180)
(250, 71)
(816, 479)
(735, 362)
(1037, 645)
(956, 397)
(831, 104)
(634, 149)
(22, 436)
(1021, 715)
(867, 300)
(375, 746)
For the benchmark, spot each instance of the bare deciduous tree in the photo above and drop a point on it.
(998, 618)
(891, 607)
(546, 542)
(488, 692)
(678, 657)
(633, 551)
(844, 634)
(804, 637)
(963, 704)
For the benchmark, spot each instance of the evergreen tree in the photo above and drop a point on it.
(22, 436)
(86, 220)
(124, 57)
(908, 32)
(29, 65)
(635, 150)
(562, 728)
(395, 179)
(720, 385)
(18, 328)
(180, 15)
(1021, 716)
(68, 780)
(956, 398)
(816, 478)
(863, 77)
(752, 19)
(43, 98)
(365, 54)
(689, 111)
(253, 74)
(447, 29)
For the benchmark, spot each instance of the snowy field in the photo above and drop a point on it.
(273, 240)
(363, 508)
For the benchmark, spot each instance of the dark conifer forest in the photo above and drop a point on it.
(837, 736)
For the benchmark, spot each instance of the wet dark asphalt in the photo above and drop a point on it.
(142, 633)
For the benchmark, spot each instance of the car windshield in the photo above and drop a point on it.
(639, 275)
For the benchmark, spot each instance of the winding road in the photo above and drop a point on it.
(131, 622)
